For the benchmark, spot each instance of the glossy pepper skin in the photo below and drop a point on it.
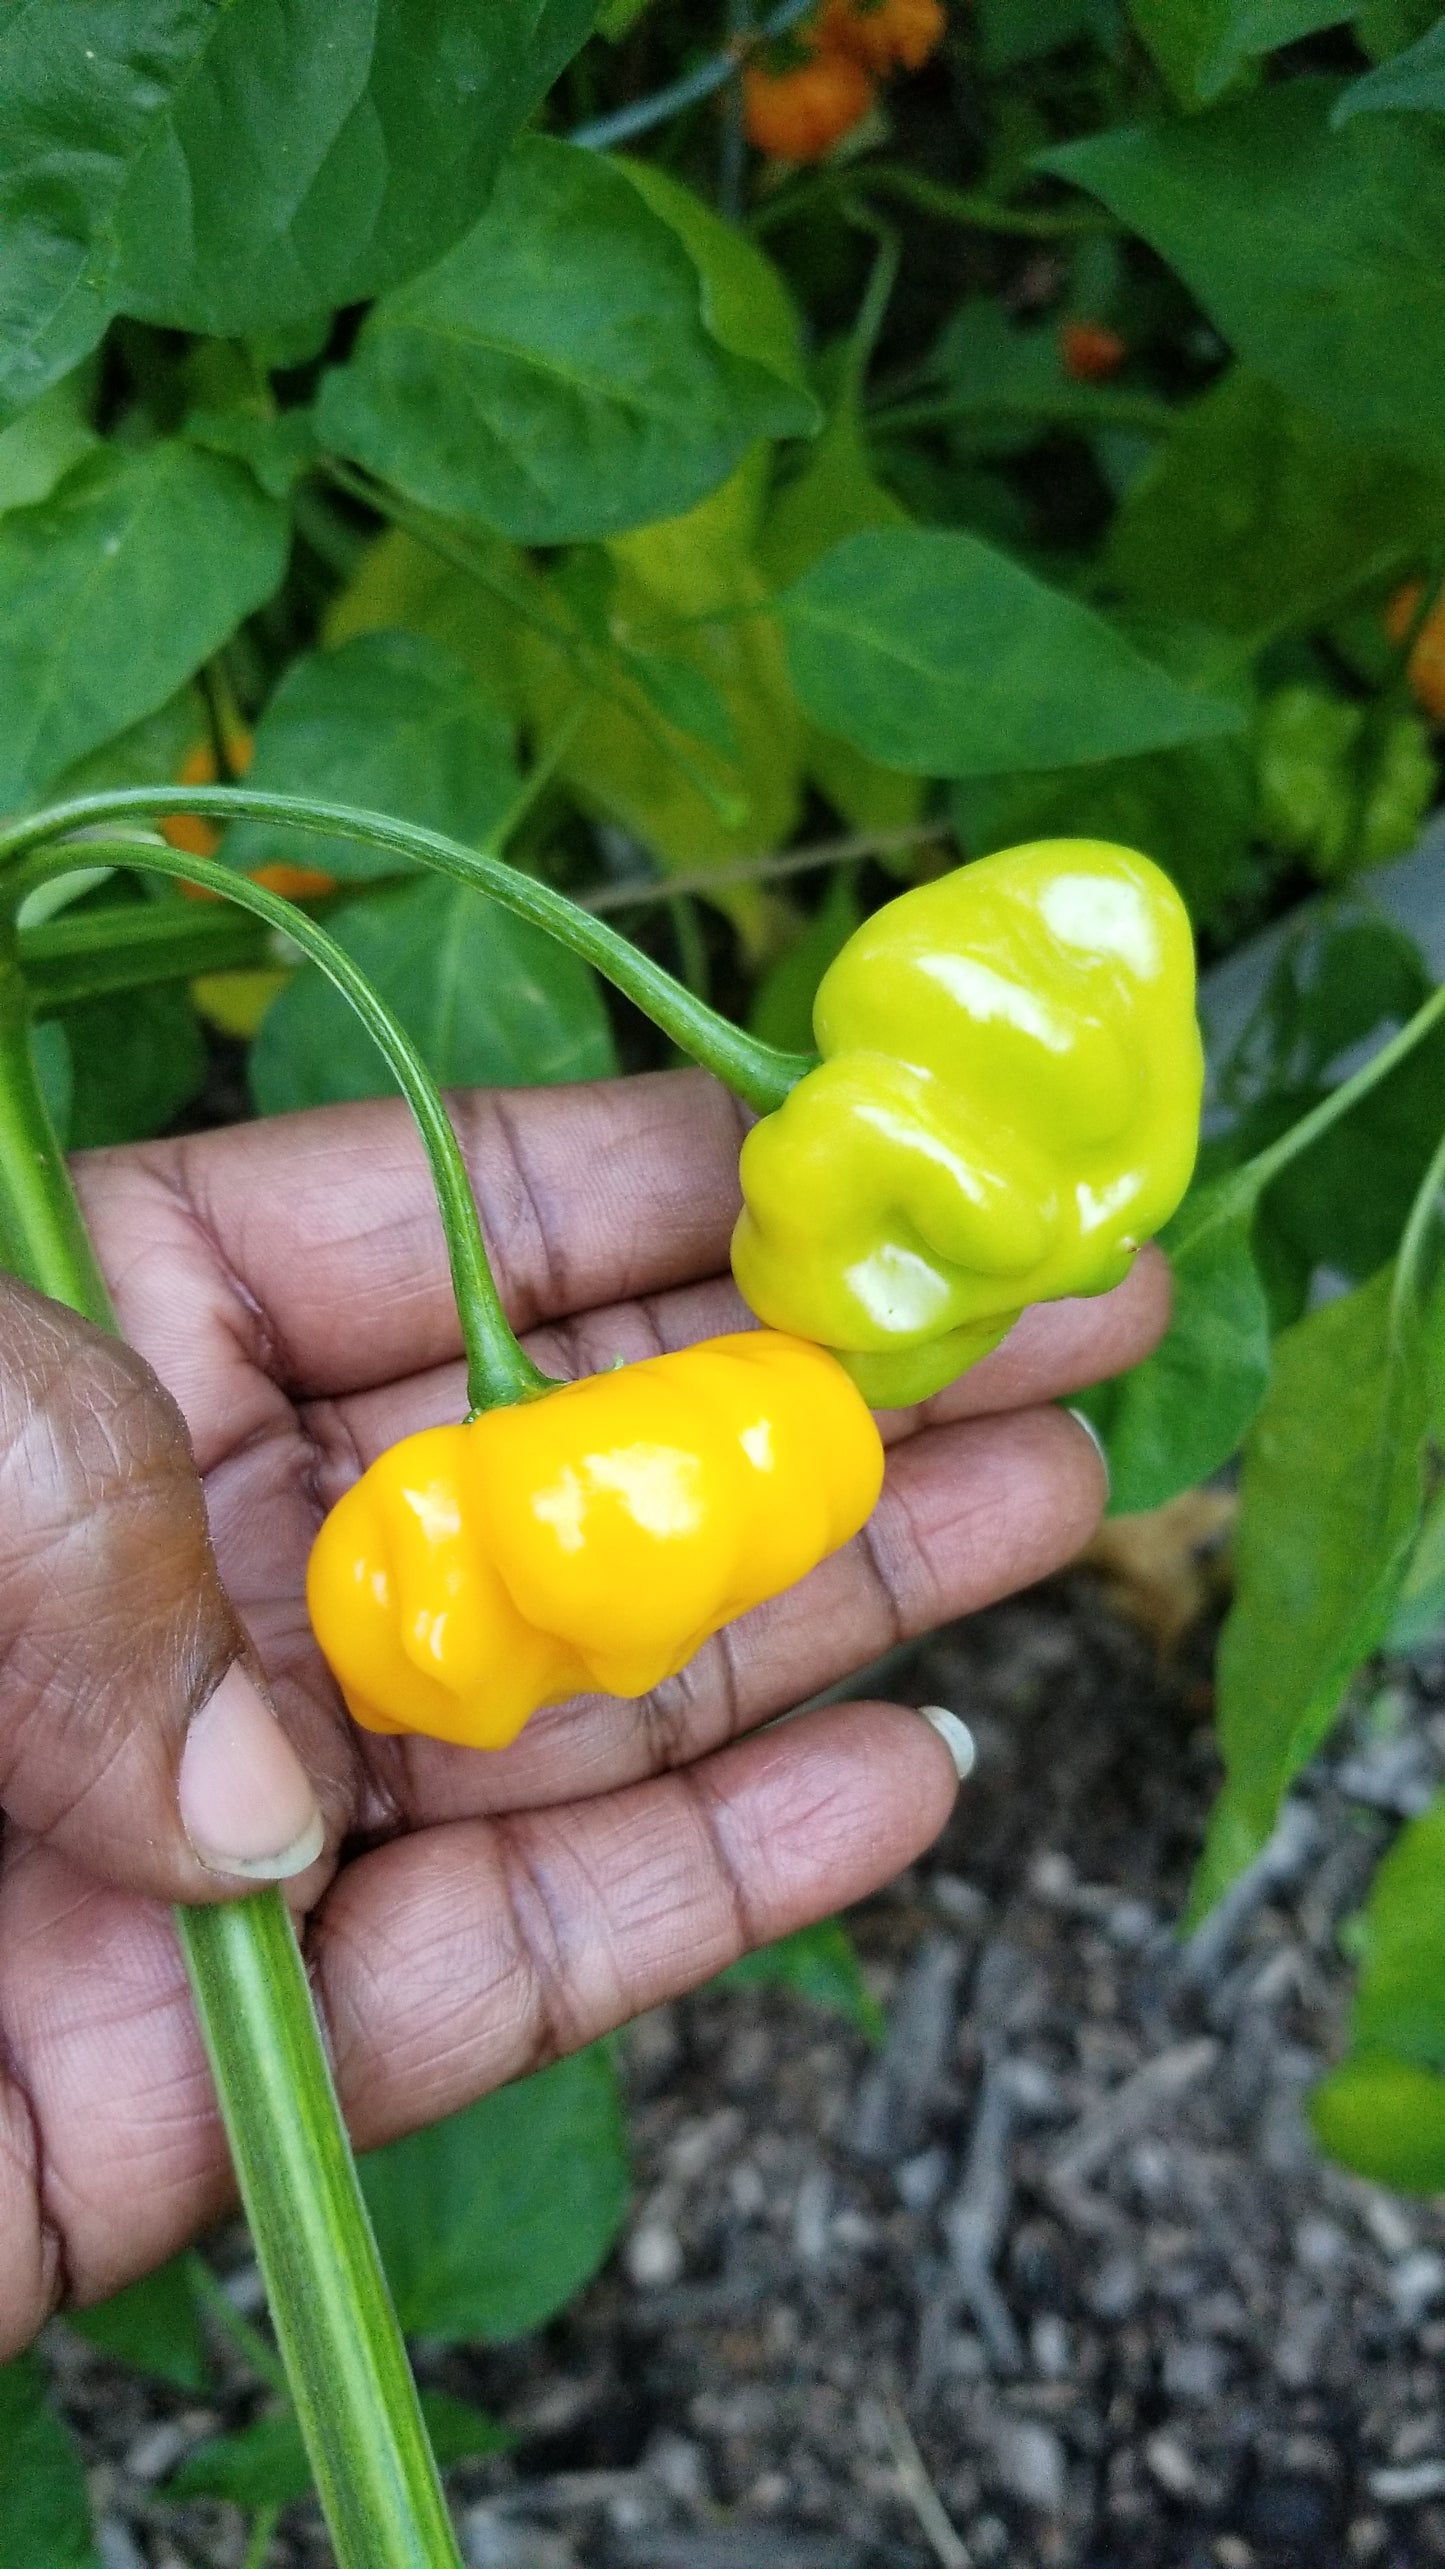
(1006, 1109)
(589, 1539)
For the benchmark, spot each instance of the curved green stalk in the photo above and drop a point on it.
(344, 2355)
(498, 1370)
(755, 1071)
(1237, 1193)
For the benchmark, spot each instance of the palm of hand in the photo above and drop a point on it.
(477, 1914)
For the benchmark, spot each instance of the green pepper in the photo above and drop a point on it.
(1007, 1107)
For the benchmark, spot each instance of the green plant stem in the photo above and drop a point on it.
(82, 953)
(498, 1370)
(43, 1239)
(1235, 1195)
(1098, 409)
(930, 196)
(345, 2360)
(263, 2527)
(642, 114)
(755, 1071)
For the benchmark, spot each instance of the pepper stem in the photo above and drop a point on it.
(757, 1072)
(498, 1370)
(344, 2354)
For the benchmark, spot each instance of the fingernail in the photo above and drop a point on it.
(246, 1804)
(956, 1736)
(1082, 1419)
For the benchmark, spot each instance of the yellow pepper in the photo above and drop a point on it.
(1006, 1109)
(590, 1538)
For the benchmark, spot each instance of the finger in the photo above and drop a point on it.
(968, 1514)
(132, 1731)
(1061, 1347)
(307, 1248)
(445, 1965)
(1055, 1349)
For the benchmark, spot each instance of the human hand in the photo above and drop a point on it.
(471, 1914)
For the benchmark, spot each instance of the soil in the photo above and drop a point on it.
(1054, 2279)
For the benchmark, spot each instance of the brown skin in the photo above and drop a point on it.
(474, 1915)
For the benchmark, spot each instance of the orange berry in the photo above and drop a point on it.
(186, 830)
(1427, 658)
(799, 115)
(1091, 351)
(294, 882)
(885, 35)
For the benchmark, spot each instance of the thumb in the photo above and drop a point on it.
(135, 1733)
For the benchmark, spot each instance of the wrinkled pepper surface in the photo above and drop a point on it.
(591, 1538)
(1006, 1109)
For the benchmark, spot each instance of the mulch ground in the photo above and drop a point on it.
(1056, 2279)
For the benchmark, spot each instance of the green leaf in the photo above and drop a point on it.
(233, 169)
(821, 1964)
(745, 303)
(136, 1059)
(265, 2465)
(1414, 79)
(113, 590)
(1006, 380)
(837, 493)
(45, 2519)
(154, 2325)
(1383, 2110)
(936, 653)
(490, 1001)
(1256, 518)
(670, 579)
(51, 1055)
(555, 378)
(400, 584)
(491, 2221)
(1385, 2118)
(1330, 1503)
(390, 722)
(1179, 1415)
(1317, 254)
(1419, 1617)
(37, 449)
(1341, 1205)
(782, 1009)
(1201, 46)
(1012, 32)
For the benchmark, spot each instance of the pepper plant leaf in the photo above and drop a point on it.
(233, 169)
(1179, 1415)
(819, 1963)
(1257, 518)
(491, 2220)
(1412, 80)
(934, 652)
(154, 2324)
(1318, 254)
(392, 723)
(1202, 46)
(1383, 2110)
(44, 2510)
(266, 2464)
(1330, 1503)
(490, 1001)
(555, 377)
(114, 589)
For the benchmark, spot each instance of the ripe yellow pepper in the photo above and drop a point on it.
(590, 1538)
(1006, 1109)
